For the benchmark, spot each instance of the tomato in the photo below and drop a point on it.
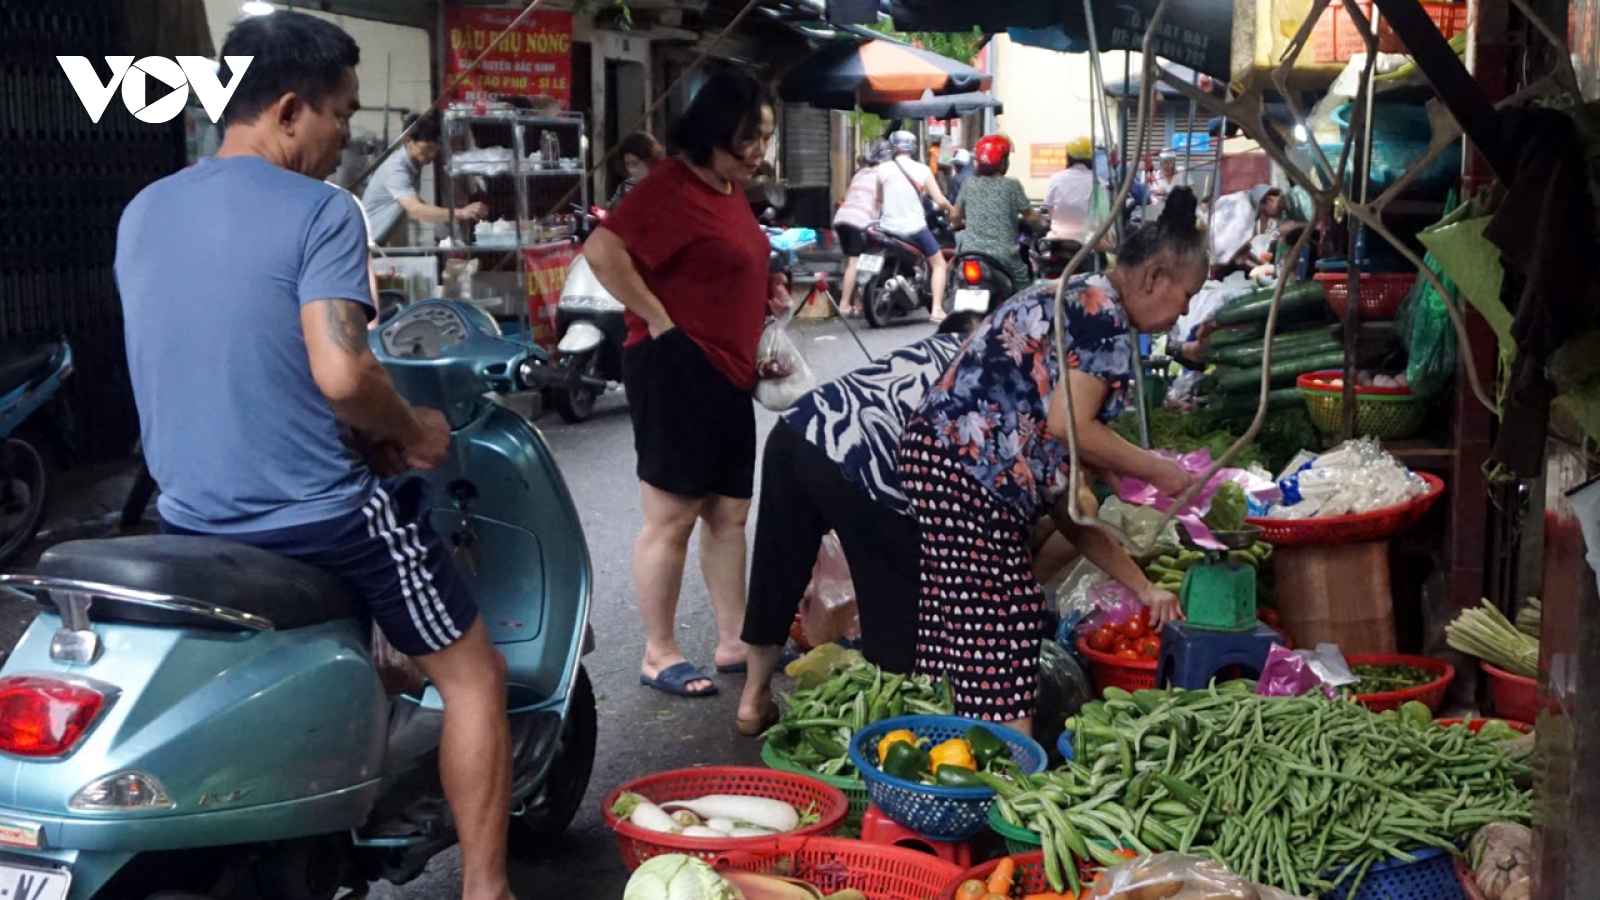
(1144, 616)
(1268, 615)
(1121, 644)
(1128, 653)
(1104, 638)
(1132, 628)
(1149, 646)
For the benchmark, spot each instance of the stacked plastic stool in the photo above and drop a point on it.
(877, 828)
(1191, 657)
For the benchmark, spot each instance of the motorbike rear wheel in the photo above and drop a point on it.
(551, 810)
(24, 484)
(577, 405)
(877, 302)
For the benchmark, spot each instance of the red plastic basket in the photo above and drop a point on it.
(1431, 693)
(1469, 885)
(1381, 292)
(1336, 37)
(1476, 723)
(1109, 671)
(1029, 879)
(833, 864)
(638, 844)
(1515, 697)
(1371, 526)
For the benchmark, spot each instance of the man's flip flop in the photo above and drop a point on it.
(676, 678)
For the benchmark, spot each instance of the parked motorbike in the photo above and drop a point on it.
(31, 412)
(192, 718)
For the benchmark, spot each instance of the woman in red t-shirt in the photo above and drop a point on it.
(688, 259)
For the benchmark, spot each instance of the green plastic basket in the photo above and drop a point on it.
(855, 790)
(1386, 416)
(1018, 840)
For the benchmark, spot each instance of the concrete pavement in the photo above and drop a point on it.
(641, 730)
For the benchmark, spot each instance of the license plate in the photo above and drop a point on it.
(972, 301)
(18, 883)
(870, 265)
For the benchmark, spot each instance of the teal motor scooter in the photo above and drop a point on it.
(190, 718)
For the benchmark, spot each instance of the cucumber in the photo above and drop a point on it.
(1228, 337)
(1245, 402)
(1300, 301)
(1250, 356)
(1284, 344)
(1284, 372)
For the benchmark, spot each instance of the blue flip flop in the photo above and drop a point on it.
(674, 679)
(738, 668)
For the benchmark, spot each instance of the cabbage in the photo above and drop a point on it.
(1229, 508)
(676, 877)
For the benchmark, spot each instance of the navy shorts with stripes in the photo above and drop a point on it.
(390, 558)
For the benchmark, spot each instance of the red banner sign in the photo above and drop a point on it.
(534, 60)
(547, 266)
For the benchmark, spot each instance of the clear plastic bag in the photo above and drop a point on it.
(1358, 476)
(782, 374)
(828, 609)
(1175, 876)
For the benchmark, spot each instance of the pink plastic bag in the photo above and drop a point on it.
(1134, 490)
(828, 609)
(1287, 674)
(1114, 603)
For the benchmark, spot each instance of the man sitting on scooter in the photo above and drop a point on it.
(246, 293)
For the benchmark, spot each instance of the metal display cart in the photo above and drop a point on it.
(528, 168)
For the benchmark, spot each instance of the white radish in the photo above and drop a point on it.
(702, 831)
(643, 813)
(758, 811)
(750, 833)
(685, 819)
(720, 824)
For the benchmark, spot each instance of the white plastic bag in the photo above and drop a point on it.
(782, 374)
(828, 609)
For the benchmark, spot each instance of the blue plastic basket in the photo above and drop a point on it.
(1064, 745)
(1431, 877)
(937, 813)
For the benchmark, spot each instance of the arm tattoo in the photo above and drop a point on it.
(347, 324)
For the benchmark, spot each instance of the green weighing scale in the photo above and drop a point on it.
(1219, 595)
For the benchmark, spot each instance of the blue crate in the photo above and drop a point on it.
(1431, 877)
(937, 813)
(1064, 745)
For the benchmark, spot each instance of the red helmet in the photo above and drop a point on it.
(992, 150)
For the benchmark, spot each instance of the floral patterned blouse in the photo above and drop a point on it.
(991, 409)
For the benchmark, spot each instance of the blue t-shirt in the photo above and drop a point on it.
(213, 264)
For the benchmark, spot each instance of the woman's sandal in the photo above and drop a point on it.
(768, 719)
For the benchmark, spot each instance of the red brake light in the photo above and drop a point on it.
(42, 717)
(972, 271)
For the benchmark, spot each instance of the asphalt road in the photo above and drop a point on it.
(641, 730)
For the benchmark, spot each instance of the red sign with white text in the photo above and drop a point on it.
(547, 266)
(534, 60)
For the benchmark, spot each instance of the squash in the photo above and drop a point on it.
(1521, 889)
(1501, 867)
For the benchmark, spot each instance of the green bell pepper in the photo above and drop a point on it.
(956, 776)
(986, 747)
(906, 761)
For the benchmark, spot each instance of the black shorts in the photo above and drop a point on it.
(852, 240)
(390, 558)
(693, 430)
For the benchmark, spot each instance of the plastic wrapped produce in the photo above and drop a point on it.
(1358, 476)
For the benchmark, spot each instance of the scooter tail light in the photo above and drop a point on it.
(124, 790)
(972, 271)
(42, 717)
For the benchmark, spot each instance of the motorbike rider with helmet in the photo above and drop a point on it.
(989, 206)
(903, 182)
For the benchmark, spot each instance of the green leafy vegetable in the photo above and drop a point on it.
(1229, 508)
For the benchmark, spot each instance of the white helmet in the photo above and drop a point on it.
(903, 142)
(962, 157)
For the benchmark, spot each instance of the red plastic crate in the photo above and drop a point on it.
(1381, 292)
(1109, 671)
(1431, 694)
(833, 864)
(1335, 38)
(1029, 879)
(1371, 526)
(1515, 697)
(639, 844)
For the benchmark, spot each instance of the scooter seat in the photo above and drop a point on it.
(213, 571)
(21, 360)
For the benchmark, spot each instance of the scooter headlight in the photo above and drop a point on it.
(122, 791)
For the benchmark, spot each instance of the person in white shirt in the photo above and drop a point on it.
(1070, 193)
(902, 182)
(391, 195)
(856, 214)
(1166, 178)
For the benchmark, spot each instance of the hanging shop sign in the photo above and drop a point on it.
(534, 60)
(547, 265)
(1045, 160)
